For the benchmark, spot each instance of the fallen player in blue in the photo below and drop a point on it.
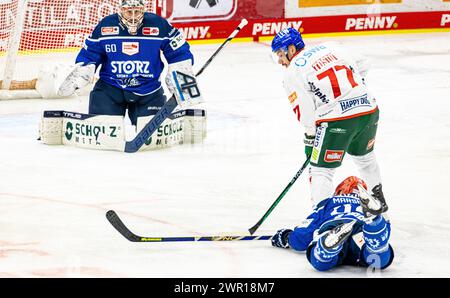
(346, 229)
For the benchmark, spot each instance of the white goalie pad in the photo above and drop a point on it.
(50, 128)
(182, 83)
(182, 127)
(101, 132)
(82, 130)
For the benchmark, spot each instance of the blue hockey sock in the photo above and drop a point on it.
(377, 252)
(324, 259)
(379, 260)
(376, 234)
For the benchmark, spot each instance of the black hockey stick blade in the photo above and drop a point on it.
(117, 223)
(253, 229)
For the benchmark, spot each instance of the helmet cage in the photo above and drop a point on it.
(131, 15)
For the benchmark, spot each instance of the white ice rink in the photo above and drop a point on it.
(53, 199)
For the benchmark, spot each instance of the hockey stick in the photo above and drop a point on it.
(117, 223)
(243, 23)
(146, 132)
(256, 226)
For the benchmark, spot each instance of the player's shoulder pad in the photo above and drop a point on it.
(166, 30)
(108, 26)
(156, 26)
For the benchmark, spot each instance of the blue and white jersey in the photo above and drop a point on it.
(133, 62)
(328, 214)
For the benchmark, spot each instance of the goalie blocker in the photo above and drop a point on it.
(182, 83)
(102, 132)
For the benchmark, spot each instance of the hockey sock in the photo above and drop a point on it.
(324, 259)
(321, 183)
(368, 169)
(377, 251)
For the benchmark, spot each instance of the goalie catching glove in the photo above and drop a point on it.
(79, 78)
(181, 82)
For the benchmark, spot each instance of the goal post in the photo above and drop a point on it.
(14, 43)
(37, 33)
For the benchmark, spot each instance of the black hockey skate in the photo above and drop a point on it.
(371, 204)
(378, 193)
(338, 235)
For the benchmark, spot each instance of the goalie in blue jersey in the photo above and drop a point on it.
(346, 229)
(128, 47)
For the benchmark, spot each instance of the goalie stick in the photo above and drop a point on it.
(117, 223)
(146, 132)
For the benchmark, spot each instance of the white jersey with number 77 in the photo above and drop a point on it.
(324, 84)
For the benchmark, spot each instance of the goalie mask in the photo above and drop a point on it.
(349, 185)
(131, 14)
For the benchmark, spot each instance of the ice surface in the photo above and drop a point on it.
(53, 199)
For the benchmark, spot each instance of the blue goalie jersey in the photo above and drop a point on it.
(133, 62)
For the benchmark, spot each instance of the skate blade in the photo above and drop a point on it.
(372, 204)
(338, 235)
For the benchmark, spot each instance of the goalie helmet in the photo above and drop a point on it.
(349, 185)
(131, 14)
(285, 38)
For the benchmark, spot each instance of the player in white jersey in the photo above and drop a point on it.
(328, 93)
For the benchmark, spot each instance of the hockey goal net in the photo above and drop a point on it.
(37, 32)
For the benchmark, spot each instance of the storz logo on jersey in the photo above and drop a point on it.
(152, 31)
(352, 103)
(130, 67)
(110, 31)
(130, 48)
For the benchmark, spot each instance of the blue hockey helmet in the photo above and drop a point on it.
(287, 37)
